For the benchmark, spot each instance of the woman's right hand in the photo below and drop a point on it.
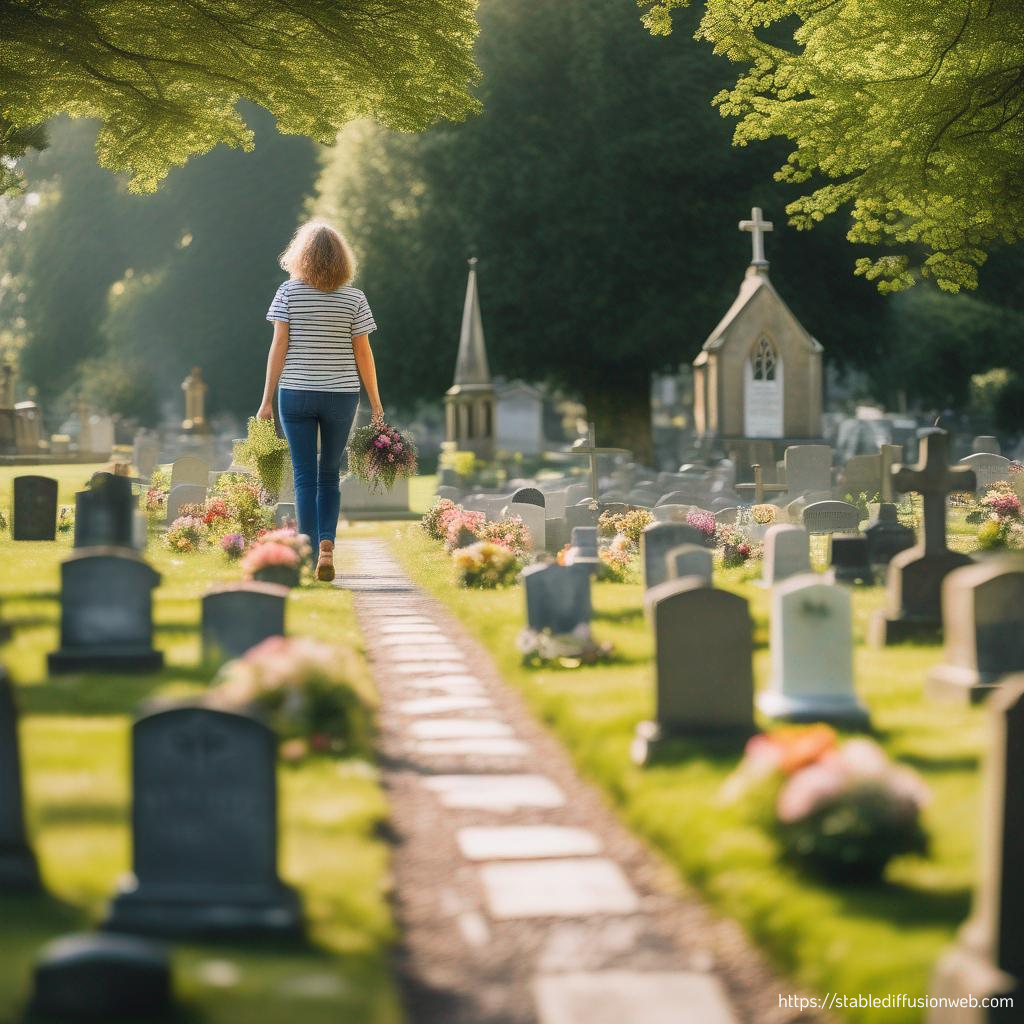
(266, 412)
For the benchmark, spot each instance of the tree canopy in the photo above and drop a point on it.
(912, 115)
(165, 76)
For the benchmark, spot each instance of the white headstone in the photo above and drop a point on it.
(190, 470)
(808, 468)
(533, 517)
(786, 553)
(988, 469)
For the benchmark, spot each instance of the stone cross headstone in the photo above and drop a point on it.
(831, 517)
(34, 508)
(184, 494)
(988, 469)
(557, 597)
(704, 682)
(914, 584)
(190, 469)
(590, 449)
(983, 628)
(988, 957)
(204, 830)
(533, 519)
(812, 655)
(656, 541)
(104, 513)
(239, 616)
(18, 869)
(786, 553)
(689, 560)
(106, 621)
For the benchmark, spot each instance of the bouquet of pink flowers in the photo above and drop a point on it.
(378, 455)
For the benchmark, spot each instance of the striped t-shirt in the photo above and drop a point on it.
(320, 330)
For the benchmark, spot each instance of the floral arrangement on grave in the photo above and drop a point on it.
(631, 523)
(1001, 519)
(841, 809)
(378, 455)
(155, 500)
(703, 522)
(734, 547)
(66, 519)
(763, 515)
(277, 556)
(233, 545)
(485, 566)
(463, 528)
(510, 534)
(435, 522)
(618, 560)
(264, 453)
(250, 506)
(311, 693)
(570, 650)
(186, 534)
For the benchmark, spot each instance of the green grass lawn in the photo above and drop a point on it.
(854, 939)
(75, 750)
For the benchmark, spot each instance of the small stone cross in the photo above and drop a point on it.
(757, 226)
(933, 479)
(589, 447)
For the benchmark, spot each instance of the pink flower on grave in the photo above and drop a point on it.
(810, 788)
(703, 521)
(1003, 505)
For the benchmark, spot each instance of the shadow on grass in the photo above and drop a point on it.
(94, 694)
(890, 901)
(623, 616)
(717, 751)
(941, 763)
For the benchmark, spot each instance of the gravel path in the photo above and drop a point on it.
(520, 896)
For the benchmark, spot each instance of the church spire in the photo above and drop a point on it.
(471, 366)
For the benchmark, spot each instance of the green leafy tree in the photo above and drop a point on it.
(165, 77)
(910, 114)
(602, 196)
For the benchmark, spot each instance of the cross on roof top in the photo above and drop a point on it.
(933, 478)
(757, 226)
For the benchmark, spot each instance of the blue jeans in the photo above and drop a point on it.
(303, 414)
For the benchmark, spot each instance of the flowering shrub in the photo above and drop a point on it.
(378, 455)
(704, 522)
(155, 500)
(216, 511)
(435, 522)
(734, 546)
(631, 523)
(843, 809)
(3, 521)
(66, 519)
(186, 533)
(309, 692)
(278, 556)
(486, 565)
(462, 524)
(264, 453)
(267, 556)
(233, 545)
(1002, 504)
(763, 515)
(510, 533)
(618, 560)
(1001, 518)
(248, 505)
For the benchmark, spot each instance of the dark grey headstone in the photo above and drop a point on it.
(100, 978)
(34, 508)
(988, 958)
(104, 512)
(106, 613)
(527, 496)
(18, 869)
(703, 664)
(850, 560)
(239, 616)
(886, 535)
(204, 830)
(557, 597)
(656, 542)
(556, 533)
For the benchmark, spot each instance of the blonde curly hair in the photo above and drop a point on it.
(319, 255)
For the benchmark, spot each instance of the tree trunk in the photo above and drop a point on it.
(622, 419)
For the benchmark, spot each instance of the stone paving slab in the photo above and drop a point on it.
(414, 640)
(458, 728)
(501, 793)
(440, 668)
(498, 747)
(525, 842)
(631, 997)
(443, 705)
(570, 887)
(445, 654)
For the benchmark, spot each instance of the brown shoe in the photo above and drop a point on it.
(325, 563)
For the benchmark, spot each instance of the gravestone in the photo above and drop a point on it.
(886, 535)
(204, 830)
(18, 869)
(988, 958)
(831, 517)
(808, 468)
(585, 514)
(988, 470)
(850, 560)
(106, 622)
(689, 560)
(557, 597)
(284, 514)
(34, 508)
(812, 655)
(189, 469)
(145, 454)
(786, 553)
(239, 616)
(533, 519)
(914, 582)
(860, 475)
(101, 978)
(704, 683)
(556, 534)
(983, 628)
(184, 494)
(727, 515)
(584, 547)
(986, 443)
(671, 513)
(105, 512)
(554, 503)
(528, 496)
(656, 541)
(575, 493)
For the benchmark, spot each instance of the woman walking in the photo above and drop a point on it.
(320, 352)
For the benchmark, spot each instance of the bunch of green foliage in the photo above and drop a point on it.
(264, 453)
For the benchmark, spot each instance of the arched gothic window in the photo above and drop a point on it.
(764, 360)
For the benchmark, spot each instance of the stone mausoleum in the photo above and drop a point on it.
(758, 378)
